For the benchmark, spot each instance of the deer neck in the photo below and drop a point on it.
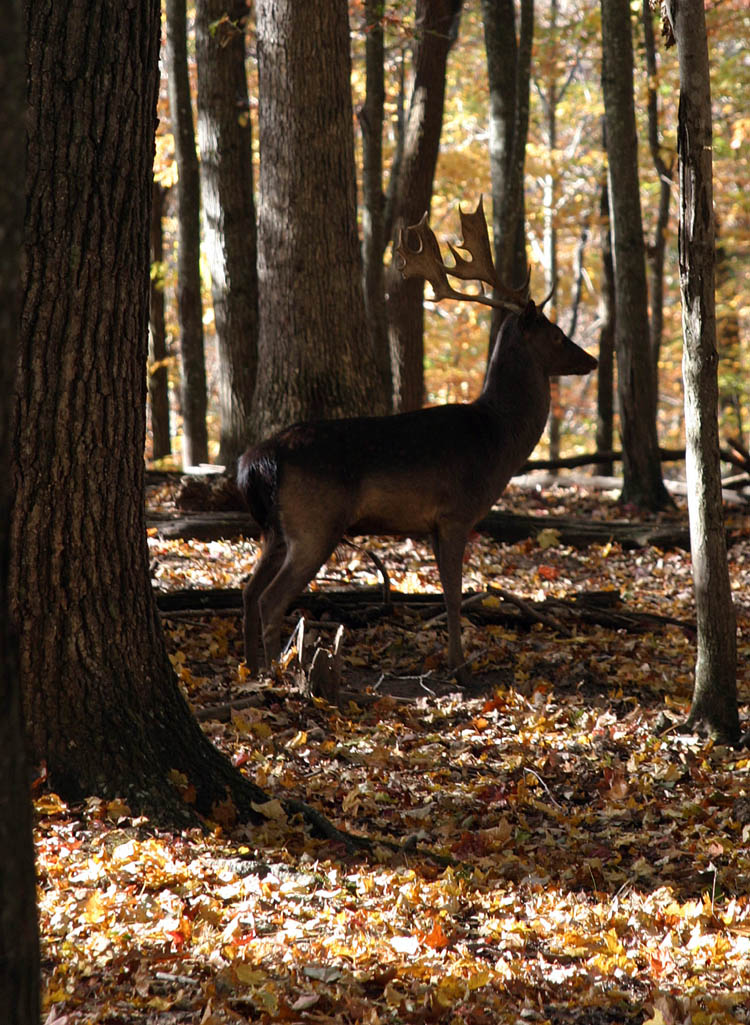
(516, 391)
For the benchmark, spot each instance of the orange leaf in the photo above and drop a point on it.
(548, 572)
(436, 938)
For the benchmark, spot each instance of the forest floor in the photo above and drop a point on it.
(551, 848)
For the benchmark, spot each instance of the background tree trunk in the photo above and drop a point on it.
(550, 97)
(19, 944)
(225, 138)
(605, 378)
(715, 692)
(373, 199)
(642, 479)
(729, 343)
(436, 22)
(158, 370)
(664, 172)
(190, 313)
(509, 77)
(315, 356)
(102, 705)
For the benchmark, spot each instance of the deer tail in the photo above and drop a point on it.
(257, 482)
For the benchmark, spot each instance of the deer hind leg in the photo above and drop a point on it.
(302, 560)
(271, 558)
(448, 544)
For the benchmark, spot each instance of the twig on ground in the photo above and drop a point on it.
(529, 610)
(379, 565)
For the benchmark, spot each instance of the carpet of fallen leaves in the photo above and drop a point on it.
(567, 853)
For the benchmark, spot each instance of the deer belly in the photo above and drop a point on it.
(404, 506)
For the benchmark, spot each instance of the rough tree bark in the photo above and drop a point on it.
(509, 78)
(158, 375)
(314, 353)
(643, 485)
(732, 377)
(436, 22)
(189, 307)
(605, 378)
(664, 173)
(225, 139)
(550, 96)
(714, 705)
(19, 945)
(102, 705)
(373, 199)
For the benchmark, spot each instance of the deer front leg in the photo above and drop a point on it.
(448, 544)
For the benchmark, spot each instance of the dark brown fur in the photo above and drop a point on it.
(433, 472)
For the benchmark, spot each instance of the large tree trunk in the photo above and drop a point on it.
(158, 371)
(642, 479)
(715, 692)
(189, 306)
(509, 77)
(315, 358)
(373, 199)
(225, 138)
(436, 22)
(102, 705)
(19, 945)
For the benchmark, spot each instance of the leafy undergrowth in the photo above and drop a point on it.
(552, 848)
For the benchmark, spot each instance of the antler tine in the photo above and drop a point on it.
(481, 267)
(547, 298)
(426, 262)
(476, 242)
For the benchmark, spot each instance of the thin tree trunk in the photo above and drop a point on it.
(605, 373)
(158, 371)
(436, 24)
(729, 343)
(664, 172)
(550, 100)
(514, 255)
(103, 709)
(501, 46)
(400, 129)
(642, 479)
(715, 691)
(225, 136)
(373, 205)
(578, 270)
(509, 75)
(189, 307)
(19, 944)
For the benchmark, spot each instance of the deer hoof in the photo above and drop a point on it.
(463, 677)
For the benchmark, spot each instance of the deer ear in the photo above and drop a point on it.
(528, 316)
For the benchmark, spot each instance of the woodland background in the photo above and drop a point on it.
(214, 848)
(562, 188)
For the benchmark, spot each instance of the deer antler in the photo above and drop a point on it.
(427, 263)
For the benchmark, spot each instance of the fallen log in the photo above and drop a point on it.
(508, 528)
(511, 528)
(357, 607)
(203, 526)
